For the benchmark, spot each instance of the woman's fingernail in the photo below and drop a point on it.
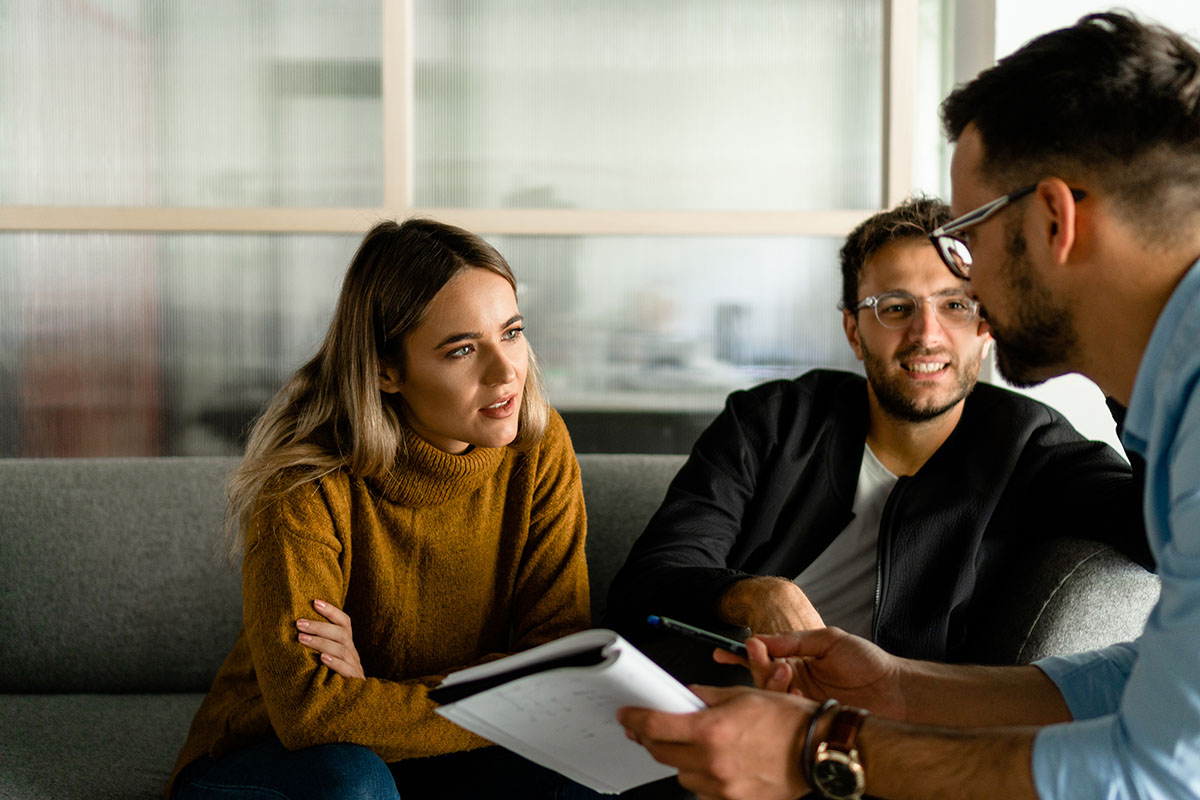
(301, 623)
(326, 657)
(319, 603)
(304, 637)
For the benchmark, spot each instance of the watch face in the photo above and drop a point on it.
(836, 775)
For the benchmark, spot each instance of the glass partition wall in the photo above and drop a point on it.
(183, 184)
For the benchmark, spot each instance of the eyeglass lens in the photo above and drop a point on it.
(956, 254)
(896, 310)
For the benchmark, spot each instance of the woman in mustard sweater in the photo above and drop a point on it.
(408, 505)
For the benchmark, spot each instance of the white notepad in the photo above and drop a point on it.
(556, 704)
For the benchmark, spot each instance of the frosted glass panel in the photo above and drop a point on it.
(203, 102)
(132, 345)
(688, 104)
(675, 323)
(935, 77)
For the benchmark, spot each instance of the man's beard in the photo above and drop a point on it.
(1043, 338)
(890, 392)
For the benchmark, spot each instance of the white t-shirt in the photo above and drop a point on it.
(840, 583)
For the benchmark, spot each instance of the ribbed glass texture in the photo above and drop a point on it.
(935, 77)
(135, 344)
(190, 103)
(675, 323)
(629, 104)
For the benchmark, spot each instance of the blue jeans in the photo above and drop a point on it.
(352, 772)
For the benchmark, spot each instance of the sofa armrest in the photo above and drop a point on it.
(1060, 596)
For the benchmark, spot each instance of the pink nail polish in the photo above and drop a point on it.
(319, 603)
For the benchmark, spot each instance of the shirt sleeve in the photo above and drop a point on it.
(1141, 738)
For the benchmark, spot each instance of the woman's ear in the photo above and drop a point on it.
(389, 379)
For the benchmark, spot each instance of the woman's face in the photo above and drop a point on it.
(466, 365)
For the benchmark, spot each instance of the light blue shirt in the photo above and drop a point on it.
(1137, 705)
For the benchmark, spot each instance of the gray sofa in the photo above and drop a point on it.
(116, 608)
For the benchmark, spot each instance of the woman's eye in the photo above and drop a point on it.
(460, 352)
(513, 333)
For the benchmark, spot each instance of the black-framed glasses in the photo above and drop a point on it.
(953, 249)
(898, 308)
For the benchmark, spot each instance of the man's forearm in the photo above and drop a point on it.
(907, 761)
(967, 696)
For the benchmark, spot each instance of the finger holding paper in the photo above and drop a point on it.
(745, 745)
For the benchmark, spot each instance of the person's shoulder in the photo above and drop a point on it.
(817, 387)
(553, 447)
(555, 438)
(1017, 417)
(1002, 400)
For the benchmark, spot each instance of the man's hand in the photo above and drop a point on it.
(768, 605)
(334, 640)
(746, 744)
(826, 663)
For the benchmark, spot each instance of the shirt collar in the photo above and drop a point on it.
(1141, 404)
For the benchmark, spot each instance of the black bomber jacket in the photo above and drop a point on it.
(772, 480)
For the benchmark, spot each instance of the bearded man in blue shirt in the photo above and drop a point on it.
(1077, 175)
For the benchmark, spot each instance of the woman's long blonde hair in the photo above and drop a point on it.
(331, 414)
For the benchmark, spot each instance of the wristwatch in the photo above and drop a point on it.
(837, 771)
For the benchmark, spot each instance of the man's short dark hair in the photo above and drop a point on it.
(1110, 100)
(915, 219)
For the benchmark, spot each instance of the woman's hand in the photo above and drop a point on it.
(333, 639)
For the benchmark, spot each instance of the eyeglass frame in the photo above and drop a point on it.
(973, 218)
(872, 302)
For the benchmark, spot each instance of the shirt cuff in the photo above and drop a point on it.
(1091, 683)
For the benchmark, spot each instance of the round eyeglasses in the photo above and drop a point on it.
(897, 309)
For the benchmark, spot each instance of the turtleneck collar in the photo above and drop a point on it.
(427, 476)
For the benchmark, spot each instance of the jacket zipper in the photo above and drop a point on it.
(882, 551)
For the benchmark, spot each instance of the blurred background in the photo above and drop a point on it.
(182, 186)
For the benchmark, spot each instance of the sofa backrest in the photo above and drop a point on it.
(112, 577)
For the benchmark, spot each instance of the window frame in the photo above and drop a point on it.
(973, 37)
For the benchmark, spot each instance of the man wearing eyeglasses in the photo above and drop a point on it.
(874, 505)
(1077, 163)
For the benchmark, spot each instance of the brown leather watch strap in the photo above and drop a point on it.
(843, 731)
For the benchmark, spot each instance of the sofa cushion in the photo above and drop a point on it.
(90, 745)
(111, 578)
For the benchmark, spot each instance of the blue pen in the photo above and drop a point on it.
(723, 642)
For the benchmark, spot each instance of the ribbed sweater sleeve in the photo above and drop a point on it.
(551, 596)
(294, 559)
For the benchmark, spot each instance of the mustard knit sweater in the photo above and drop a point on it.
(447, 562)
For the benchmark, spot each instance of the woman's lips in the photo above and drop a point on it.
(504, 407)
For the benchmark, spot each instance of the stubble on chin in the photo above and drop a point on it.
(898, 401)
